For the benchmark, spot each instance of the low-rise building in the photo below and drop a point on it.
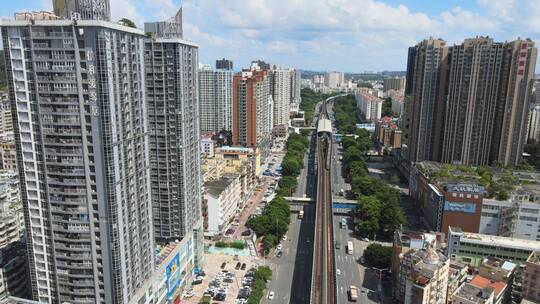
(409, 242)
(8, 154)
(14, 275)
(207, 147)
(369, 106)
(221, 202)
(518, 216)
(387, 133)
(471, 294)
(473, 248)
(426, 273)
(449, 195)
(531, 278)
(458, 273)
(173, 272)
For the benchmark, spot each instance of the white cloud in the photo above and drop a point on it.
(498, 8)
(126, 9)
(463, 19)
(351, 35)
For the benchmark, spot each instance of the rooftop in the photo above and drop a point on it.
(534, 258)
(481, 282)
(496, 241)
(473, 293)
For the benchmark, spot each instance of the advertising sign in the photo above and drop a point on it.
(172, 273)
(460, 207)
(465, 188)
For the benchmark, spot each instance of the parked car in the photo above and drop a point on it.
(243, 266)
(223, 265)
(279, 254)
(271, 295)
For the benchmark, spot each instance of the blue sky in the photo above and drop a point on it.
(345, 35)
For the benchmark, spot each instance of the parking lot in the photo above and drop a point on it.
(219, 282)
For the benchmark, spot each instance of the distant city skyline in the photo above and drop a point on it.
(348, 36)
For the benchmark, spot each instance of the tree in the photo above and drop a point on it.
(291, 167)
(357, 168)
(387, 107)
(269, 242)
(369, 213)
(378, 256)
(391, 219)
(263, 273)
(287, 184)
(127, 22)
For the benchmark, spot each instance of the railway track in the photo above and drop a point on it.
(323, 290)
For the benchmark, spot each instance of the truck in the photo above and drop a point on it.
(353, 293)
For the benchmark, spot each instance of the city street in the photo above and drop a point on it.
(291, 278)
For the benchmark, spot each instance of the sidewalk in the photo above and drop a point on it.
(251, 204)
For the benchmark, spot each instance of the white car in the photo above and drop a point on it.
(338, 272)
(284, 238)
(271, 295)
(279, 247)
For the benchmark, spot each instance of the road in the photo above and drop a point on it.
(291, 278)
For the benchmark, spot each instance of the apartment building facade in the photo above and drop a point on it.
(469, 103)
(252, 109)
(171, 67)
(77, 94)
(473, 248)
(215, 99)
(424, 100)
(280, 89)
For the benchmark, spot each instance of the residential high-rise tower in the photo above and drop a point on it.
(173, 113)
(215, 99)
(224, 64)
(252, 109)
(81, 131)
(280, 89)
(83, 9)
(424, 99)
(468, 104)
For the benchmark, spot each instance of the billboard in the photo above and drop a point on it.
(460, 207)
(172, 273)
(465, 188)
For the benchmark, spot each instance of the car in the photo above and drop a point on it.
(243, 266)
(196, 282)
(365, 239)
(223, 265)
(307, 240)
(338, 272)
(279, 254)
(279, 247)
(237, 265)
(284, 238)
(362, 260)
(271, 295)
(246, 233)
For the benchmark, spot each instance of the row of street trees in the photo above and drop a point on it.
(292, 163)
(379, 212)
(274, 222)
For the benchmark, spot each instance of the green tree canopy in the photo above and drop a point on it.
(127, 22)
(378, 256)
